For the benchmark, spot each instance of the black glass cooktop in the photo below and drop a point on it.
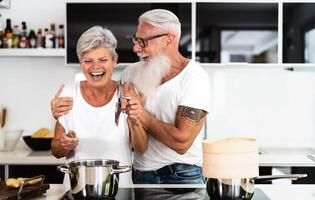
(165, 194)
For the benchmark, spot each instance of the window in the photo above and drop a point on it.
(122, 20)
(298, 32)
(309, 47)
(237, 32)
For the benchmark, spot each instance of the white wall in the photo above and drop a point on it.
(264, 103)
(270, 104)
(28, 84)
(36, 13)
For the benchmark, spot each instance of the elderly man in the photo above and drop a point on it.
(177, 92)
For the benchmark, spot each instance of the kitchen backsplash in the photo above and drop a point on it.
(270, 104)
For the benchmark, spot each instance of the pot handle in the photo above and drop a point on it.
(120, 169)
(63, 168)
(274, 177)
(26, 181)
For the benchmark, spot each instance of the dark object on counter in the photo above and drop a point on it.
(37, 144)
(157, 193)
(170, 193)
(94, 179)
(240, 189)
(25, 191)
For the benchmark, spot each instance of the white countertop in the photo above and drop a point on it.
(26, 156)
(274, 191)
(284, 157)
(23, 155)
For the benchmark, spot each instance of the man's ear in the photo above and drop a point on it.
(170, 39)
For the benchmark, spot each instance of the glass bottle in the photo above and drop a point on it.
(1, 32)
(48, 39)
(32, 39)
(61, 37)
(24, 43)
(53, 33)
(8, 35)
(39, 39)
(16, 36)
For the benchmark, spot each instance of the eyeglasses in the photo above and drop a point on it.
(143, 42)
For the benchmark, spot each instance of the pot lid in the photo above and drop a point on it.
(230, 145)
(94, 162)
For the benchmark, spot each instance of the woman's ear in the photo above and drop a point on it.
(115, 59)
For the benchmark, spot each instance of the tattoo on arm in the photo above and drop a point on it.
(192, 115)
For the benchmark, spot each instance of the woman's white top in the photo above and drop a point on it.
(99, 137)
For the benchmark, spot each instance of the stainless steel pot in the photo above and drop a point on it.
(239, 189)
(94, 179)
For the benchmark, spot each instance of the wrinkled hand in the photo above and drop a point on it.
(134, 107)
(69, 142)
(60, 105)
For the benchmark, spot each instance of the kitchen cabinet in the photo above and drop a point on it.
(310, 171)
(2, 172)
(52, 175)
(218, 34)
(26, 163)
(201, 39)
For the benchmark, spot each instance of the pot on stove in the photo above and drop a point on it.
(241, 188)
(232, 167)
(94, 179)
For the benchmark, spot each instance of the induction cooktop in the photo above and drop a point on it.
(164, 194)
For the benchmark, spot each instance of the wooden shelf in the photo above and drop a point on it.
(39, 52)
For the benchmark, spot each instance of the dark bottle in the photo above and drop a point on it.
(24, 43)
(1, 33)
(8, 35)
(61, 37)
(8, 28)
(32, 39)
(53, 33)
(1, 38)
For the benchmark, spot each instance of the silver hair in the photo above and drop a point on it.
(162, 18)
(96, 37)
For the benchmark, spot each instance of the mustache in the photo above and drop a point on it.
(142, 55)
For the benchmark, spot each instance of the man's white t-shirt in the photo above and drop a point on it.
(99, 137)
(191, 87)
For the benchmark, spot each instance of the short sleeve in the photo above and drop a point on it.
(196, 90)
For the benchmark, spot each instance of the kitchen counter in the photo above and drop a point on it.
(27, 156)
(273, 192)
(270, 156)
(23, 155)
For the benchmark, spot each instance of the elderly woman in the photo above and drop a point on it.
(92, 117)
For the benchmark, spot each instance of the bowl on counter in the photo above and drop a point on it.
(9, 139)
(37, 144)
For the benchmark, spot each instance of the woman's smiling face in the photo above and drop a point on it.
(97, 66)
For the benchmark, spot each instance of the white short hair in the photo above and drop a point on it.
(96, 37)
(162, 18)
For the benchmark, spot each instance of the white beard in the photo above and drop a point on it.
(149, 75)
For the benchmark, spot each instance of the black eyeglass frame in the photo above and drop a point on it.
(143, 42)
